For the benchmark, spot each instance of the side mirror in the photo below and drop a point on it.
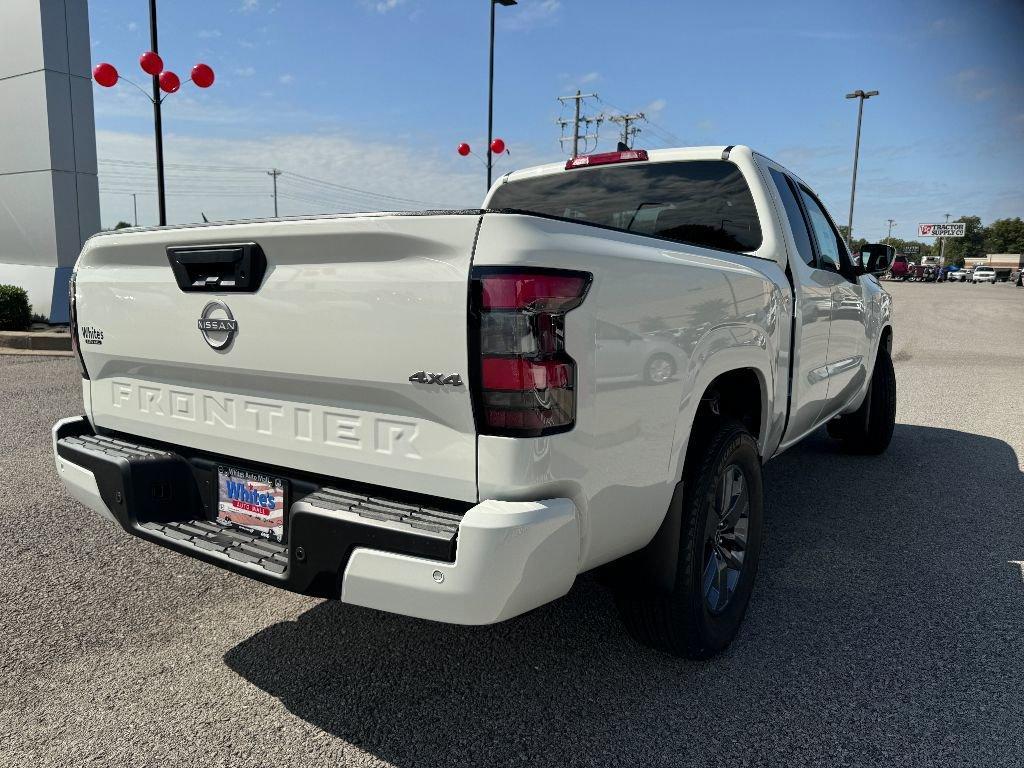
(877, 258)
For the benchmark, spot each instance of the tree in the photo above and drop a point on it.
(121, 225)
(1005, 236)
(970, 245)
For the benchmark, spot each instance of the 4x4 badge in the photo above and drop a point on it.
(425, 377)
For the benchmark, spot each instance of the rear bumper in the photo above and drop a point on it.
(480, 565)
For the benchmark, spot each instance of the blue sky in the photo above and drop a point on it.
(376, 94)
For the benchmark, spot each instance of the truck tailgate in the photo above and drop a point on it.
(316, 377)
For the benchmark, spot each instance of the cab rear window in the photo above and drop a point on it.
(697, 202)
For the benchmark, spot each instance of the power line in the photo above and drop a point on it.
(578, 120)
(628, 132)
(274, 173)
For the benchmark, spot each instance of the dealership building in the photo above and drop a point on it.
(49, 196)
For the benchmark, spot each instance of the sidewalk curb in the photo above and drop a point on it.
(36, 341)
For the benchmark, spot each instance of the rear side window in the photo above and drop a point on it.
(698, 202)
(796, 218)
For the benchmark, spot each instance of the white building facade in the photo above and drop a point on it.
(49, 197)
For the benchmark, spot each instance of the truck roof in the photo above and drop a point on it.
(653, 155)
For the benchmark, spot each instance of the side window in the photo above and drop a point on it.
(830, 244)
(795, 216)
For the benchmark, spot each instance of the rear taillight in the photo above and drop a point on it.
(525, 383)
(73, 323)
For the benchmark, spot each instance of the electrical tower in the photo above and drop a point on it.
(274, 173)
(578, 120)
(629, 132)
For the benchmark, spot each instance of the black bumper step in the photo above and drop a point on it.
(167, 495)
(224, 539)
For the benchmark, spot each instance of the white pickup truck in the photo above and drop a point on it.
(452, 414)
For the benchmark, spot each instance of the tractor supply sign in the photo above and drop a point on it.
(953, 229)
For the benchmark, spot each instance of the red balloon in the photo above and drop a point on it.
(463, 149)
(202, 75)
(497, 146)
(169, 82)
(105, 74)
(151, 63)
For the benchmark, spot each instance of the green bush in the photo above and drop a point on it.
(15, 311)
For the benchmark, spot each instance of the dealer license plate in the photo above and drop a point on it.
(251, 500)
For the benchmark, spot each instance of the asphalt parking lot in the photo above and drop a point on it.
(887, 626)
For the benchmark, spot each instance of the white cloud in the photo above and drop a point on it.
(435, 178)
(286, 79)
(655, 108)
(132, 26)
(590, 77)
(245, 71)
(974, 84)
(529, 14)
(208, 34)
(248, 6)
(382, 6)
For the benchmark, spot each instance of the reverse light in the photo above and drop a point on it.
(525, 384)
(606, 158)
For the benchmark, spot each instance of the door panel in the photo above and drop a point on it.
(846, 366)
(813, 313)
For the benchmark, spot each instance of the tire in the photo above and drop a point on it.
(659, 369)
(868, 430)
(700, 616)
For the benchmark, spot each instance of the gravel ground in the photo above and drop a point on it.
(886, 628)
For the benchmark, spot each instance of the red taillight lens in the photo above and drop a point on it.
(525, 385)
(73, 323)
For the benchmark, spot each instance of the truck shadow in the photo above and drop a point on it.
(886, 625)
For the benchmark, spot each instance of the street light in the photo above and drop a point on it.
(202, 76)
(862, 95)
(490, 89)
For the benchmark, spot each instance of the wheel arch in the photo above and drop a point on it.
(739, 394)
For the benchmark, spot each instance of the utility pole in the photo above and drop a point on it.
(577, 120)
(861, 96)
(135, 208)
(942, 248)
(158, 127)
(628, 132)
(889, 236)
(274, 173)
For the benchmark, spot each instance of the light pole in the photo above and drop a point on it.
(942, 248)
(889, 236)
(861, 95)
(107, 76)
(490, 89)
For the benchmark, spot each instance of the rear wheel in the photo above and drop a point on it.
(720, 543)
(869, 429)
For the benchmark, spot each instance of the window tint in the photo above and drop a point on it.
(796, 218)
(830, 244)
(700, 202)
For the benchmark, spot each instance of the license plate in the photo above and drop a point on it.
(251, 500)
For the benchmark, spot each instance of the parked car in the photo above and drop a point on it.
(958, 275)
(1017, 277)
(416, 396)
(983, 275)
(900, 269)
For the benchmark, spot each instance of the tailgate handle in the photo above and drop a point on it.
(237, 267)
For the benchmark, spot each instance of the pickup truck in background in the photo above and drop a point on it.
(452, 414)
